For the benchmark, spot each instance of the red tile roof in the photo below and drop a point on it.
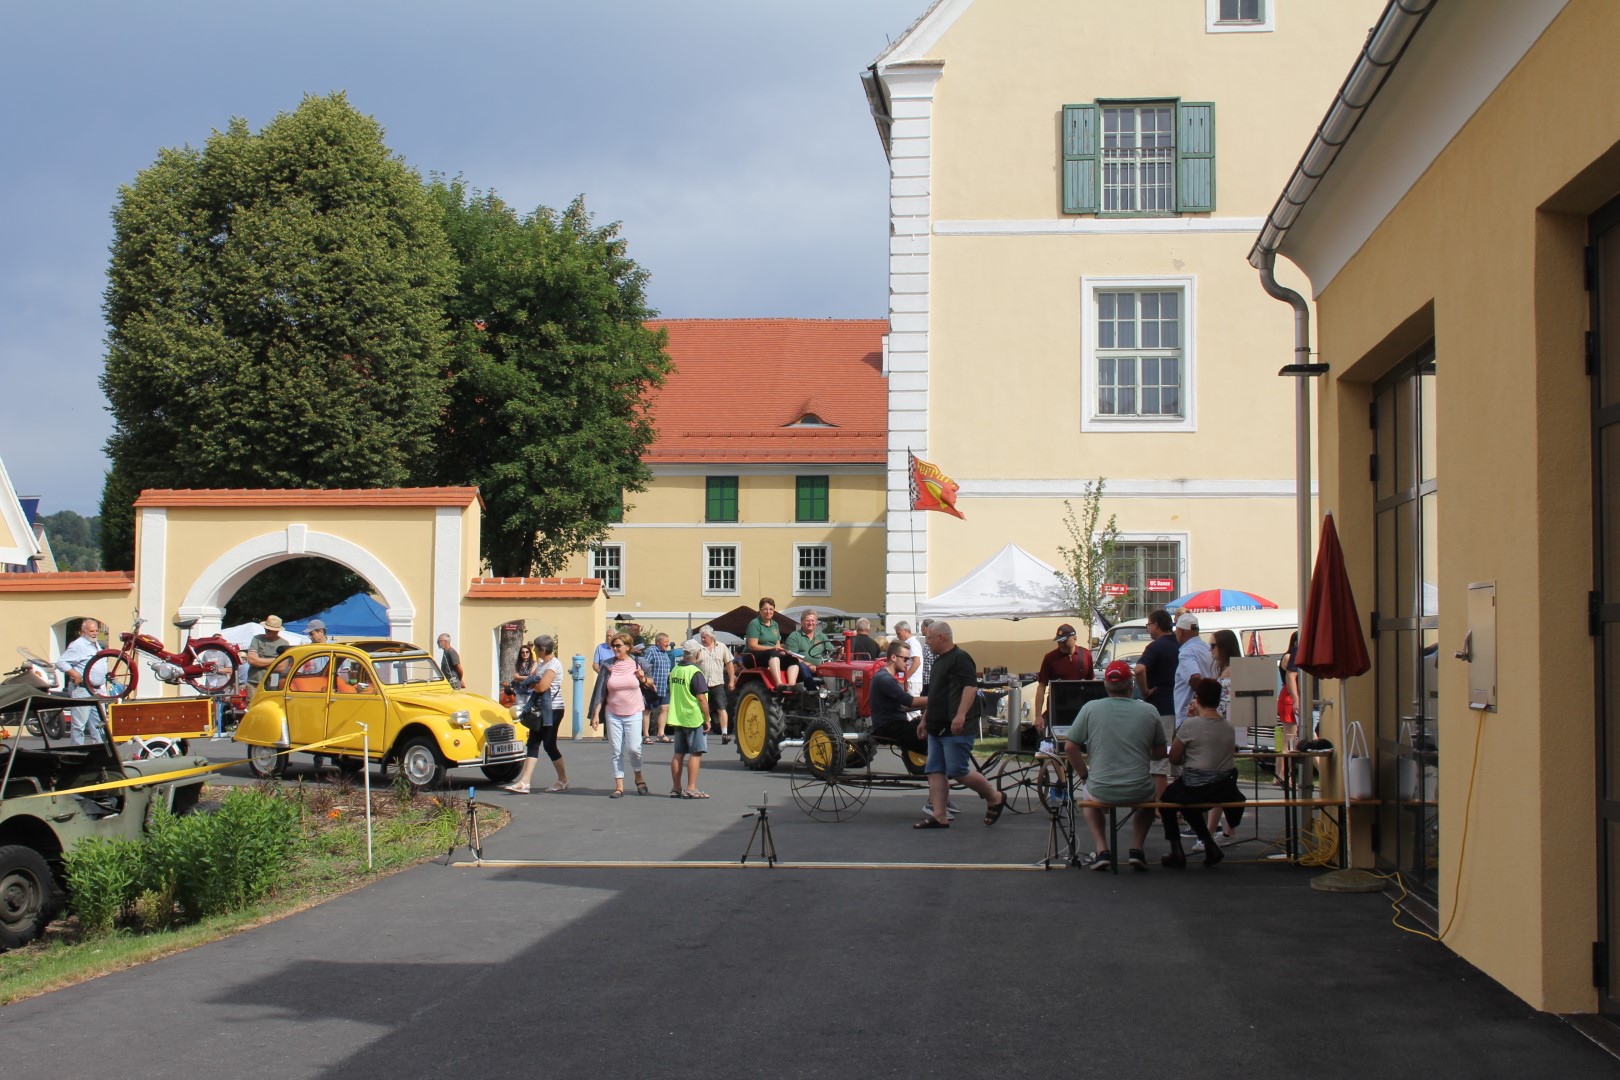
(534, 588)
(69, 581)
(218, 497)
(738, 383)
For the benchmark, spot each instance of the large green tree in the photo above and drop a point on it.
(552, 370)
(275, 309)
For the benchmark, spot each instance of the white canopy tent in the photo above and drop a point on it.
(1011, 584)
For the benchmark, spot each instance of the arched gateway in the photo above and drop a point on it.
(418, 548)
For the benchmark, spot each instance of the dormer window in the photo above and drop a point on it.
(810, 419)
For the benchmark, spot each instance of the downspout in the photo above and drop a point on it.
(1302, 427)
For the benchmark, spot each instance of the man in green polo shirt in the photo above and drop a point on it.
(688, 717)
(811, 646)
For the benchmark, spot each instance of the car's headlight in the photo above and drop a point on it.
(461, 718)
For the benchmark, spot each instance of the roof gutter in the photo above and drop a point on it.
(1386, 42)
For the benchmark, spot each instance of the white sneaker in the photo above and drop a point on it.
(1196, 848)
(1227, 839)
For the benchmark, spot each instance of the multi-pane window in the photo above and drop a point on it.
(813, 576)
(719, 569)
(1139, 353)
(1150, 570)
(812, 501)
(721, 501)
(1139, 159)
(1242, 11)
(607, 566)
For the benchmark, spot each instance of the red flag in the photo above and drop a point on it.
(932, 489)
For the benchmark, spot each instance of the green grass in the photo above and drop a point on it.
(330, 862)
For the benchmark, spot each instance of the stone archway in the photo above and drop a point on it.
(215, 583)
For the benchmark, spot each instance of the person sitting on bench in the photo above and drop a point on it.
(1111, 745)
(891, 701)
(1204, 746)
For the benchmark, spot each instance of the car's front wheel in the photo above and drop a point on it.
(420, 763)
(503, 774)
(29, 896)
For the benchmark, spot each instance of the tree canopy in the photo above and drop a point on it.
(275, 310)
(551, 366)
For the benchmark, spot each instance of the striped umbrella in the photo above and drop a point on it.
(1219, 600)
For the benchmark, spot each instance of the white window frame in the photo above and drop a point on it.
(1090, 420)
(798, 568)
(1182, 538)
(736, 554)
(596, 570)
(1214, 25)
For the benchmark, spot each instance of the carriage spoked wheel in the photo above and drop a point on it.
(827, 783)
(1018, 778)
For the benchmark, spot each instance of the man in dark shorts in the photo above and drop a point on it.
(953, 700)
(1156, 679)
(891, 702)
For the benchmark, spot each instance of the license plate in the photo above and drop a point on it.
(503, 749)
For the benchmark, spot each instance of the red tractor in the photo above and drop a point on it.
(768, 715)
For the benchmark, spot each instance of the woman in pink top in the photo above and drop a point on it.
(618, 699)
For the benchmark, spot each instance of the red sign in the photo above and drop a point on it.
(1116, 590)
(1161, 584)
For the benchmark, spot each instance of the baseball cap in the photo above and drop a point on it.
(1117, 671)
(1186, 621)
(1064, 633)
(693, 647)
(272, 622)
(314, 624)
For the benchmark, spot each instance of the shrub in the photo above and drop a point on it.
(103, 880)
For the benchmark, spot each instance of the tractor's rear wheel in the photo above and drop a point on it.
(758, 725)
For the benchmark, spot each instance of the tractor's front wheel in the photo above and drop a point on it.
(759, 725)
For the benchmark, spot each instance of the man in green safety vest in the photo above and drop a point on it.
(688, 717)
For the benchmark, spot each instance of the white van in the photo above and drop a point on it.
(1263, 632)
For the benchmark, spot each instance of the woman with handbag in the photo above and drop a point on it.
(542, 712)
(617, 702)
(520, 673)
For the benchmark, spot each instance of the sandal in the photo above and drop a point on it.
(641, 787)
(694, 794)
(675, 793)
(993, 814)
(618, 793)
(516, 789)
(561, 785)
(930, 823)
(665, 738)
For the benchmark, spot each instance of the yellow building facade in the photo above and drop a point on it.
(1462, 254)
(1073, 187)
(768, 477)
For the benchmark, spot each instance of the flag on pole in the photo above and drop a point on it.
(932, 489)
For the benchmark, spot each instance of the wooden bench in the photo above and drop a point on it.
(1153, 806)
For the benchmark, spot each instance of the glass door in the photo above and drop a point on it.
(1406, 621)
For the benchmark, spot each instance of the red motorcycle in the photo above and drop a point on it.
(207, 664)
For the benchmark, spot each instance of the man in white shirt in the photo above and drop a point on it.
(719, 671)
(85, 719)
(1194, 661)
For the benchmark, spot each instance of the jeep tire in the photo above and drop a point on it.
(29, 896)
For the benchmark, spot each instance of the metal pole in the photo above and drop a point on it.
(365, 767)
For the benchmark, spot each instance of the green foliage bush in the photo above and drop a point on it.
(209, 864)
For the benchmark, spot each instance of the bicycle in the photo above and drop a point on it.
(207, 664)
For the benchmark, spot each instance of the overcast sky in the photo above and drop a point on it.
(730, 137)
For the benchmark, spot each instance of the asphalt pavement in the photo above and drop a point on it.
(1237, 971)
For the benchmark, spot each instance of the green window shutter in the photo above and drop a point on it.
(721, 501)
(1079, 159)
(1195, 156)
(812, 500)
(615, 513)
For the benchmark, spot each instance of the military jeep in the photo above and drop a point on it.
(39, 827)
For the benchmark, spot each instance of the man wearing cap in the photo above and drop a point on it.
(263, 650)
(688, 716)
(1070, 660)
(1194, 661)
(1112, 745)
(316, 631)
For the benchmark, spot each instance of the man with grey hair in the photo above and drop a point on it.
(688, 717)
(914, 679)
(862, 646)
(84, 719)
(720, 672)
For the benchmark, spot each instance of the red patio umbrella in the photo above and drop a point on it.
(1331, 645)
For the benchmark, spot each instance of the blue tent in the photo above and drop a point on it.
(358, 616)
